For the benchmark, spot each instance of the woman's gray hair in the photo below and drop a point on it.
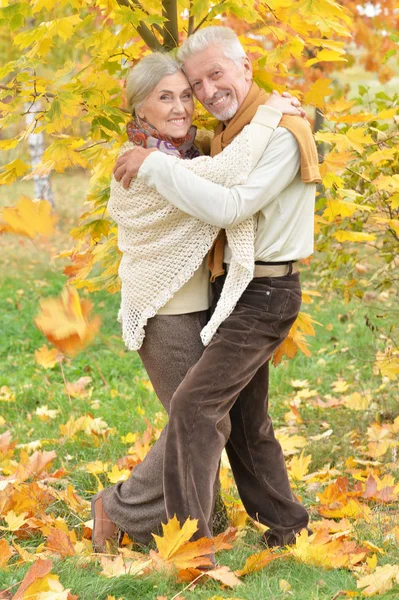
(146, 75)
(224, 37)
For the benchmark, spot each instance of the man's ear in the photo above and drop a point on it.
(247, 68)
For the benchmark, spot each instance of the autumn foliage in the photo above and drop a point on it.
(65, 63)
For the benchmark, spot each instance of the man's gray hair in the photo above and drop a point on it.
(224, 37)
(146, 75)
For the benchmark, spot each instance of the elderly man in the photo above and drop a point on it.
(231, 377)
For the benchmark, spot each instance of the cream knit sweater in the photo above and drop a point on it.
(163, 247)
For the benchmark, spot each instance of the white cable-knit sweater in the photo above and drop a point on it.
(163, 247)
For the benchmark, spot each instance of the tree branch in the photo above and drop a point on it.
(213, 10)
(144, 32)
(170, 29)
(190, 20)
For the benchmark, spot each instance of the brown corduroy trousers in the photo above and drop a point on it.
(172, 345)
(231, 377)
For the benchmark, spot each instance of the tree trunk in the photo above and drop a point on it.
(43, 189)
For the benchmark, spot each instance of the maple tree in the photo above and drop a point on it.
(65, 63)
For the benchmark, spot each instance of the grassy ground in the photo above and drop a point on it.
(344, 349)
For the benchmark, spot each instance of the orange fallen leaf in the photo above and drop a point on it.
(65, 321)
(258, 561)
(46, 358)
(78, 388)
(59, 541)
(6, 552)
(39, 569)
(225, 540)
(175, 548)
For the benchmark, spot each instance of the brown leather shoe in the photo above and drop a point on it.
(104, 530)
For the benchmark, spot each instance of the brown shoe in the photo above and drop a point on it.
(104, 530)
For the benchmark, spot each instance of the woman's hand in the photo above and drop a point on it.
(127, 166)
(287, 104)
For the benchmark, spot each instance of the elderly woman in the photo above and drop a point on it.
(165, 293)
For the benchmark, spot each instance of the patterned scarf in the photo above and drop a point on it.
(143, 134)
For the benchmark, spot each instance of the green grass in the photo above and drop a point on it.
(344, 350)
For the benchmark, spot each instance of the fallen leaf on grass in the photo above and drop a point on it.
(39, 569)
(6, 395)
(6, 552)
(322, 550)
(115, 567)
(78, 388)
(382, 580)
(174, 546)
(224, 575)
(46, 358)
(256, 562)
(225, 540)
(60, 542)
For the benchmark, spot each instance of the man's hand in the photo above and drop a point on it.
(287, 104)
(127, 166)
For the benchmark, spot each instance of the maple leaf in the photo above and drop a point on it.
(382, 580)
(122, 566)
(299, 466)
(321, 550)
(224, 575)
(78, 388)
(259, 561)
(6, 395)
(60, 542)
(45, 413)
(6, 552)
(174, 546)
(29, 218)
(65, 321)
(46, 358)
(14, 522)
(317, 92)
(38, 570)
(12, 171)
(225, 540)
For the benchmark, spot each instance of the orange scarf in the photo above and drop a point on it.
(299, 128)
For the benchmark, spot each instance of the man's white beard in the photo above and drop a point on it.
(228, 113)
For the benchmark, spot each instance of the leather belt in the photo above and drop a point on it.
(273, 269)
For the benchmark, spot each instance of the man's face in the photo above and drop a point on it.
(219, 83)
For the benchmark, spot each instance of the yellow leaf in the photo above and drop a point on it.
(343, 208)
(317, 92)
(284, 586)
(175, 548)
(44, 413)
(354, 236)
(65, 321)
(358, 139)
(299, 466)
(291, 444)
(308, 294)
(115, 567)
(6, 395)
(46, 358)
(14, 522)
(12, 171)
(29, 218)
(117, 474)
(357, 401)
(326, 56)
(382, 580)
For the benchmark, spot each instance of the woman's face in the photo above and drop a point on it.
(170, 106)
